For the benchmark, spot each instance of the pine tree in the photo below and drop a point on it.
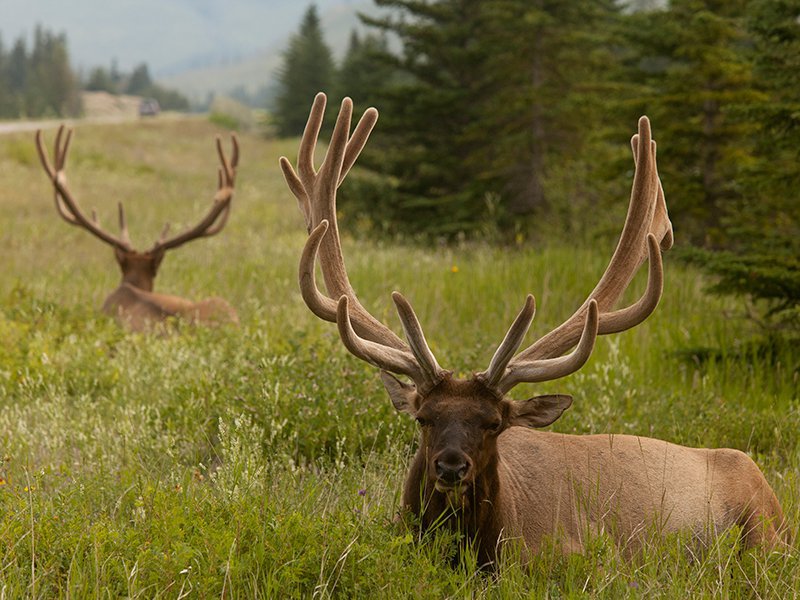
(139, 83)
(693, 60)
(51, 88)
(100, 81)
(308, 68)
(364, 72)
(6, 99)
(761, 259)
(493, 94)
(18, 77)
(546, 64)
(420, 141)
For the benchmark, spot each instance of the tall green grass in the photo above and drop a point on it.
(264, 461)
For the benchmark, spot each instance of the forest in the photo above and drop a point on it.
(37, 80)
(501, 121)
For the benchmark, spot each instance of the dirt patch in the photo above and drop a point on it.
(103, 104)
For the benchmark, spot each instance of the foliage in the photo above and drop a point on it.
(692, 62)
(264, 461)
(307, 68)
(137, 83)
(760, 259)
(38, 82)
(362, 74)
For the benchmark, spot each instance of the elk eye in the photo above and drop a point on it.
(423, 422)
(493, 426)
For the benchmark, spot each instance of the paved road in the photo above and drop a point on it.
(17, 126)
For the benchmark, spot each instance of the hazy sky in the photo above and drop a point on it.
(169, 35)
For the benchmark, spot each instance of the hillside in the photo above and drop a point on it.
(254, 72)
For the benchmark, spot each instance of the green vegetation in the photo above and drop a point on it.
(265, 461)
(307, 69)
(502, 121)
(137, 83)
(38, 82)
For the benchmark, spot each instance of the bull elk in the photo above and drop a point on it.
(134, 303)
(481, 466)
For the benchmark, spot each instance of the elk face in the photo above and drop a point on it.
(139, 268)
(460, 422)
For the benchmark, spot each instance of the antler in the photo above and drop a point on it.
(66, 205)
(646, 232)
(315, 190)
(217, 216)
(68, 208)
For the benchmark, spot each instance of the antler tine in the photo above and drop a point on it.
(384, 357)
(61, 151)
(297, 188)
(66, 205)
(358, 140)
(123, 224)
(217, 216)
(220, 222)
(320, 305)
(508, 347)
(164, 233)
(43, 155)
(228, 169)
(305, 154)
(646, 226)
(431, 370)
(554, 368)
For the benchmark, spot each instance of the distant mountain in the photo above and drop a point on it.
(254, 74)
(199, 46)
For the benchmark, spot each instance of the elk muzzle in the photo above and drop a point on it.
(452, 468)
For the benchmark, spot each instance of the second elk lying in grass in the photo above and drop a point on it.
(134, 302)
(481, 467)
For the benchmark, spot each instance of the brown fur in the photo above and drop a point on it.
(137, 307)
(536, 486)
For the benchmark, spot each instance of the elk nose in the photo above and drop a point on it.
(451, 469)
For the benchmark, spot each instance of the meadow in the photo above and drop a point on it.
(265, 461)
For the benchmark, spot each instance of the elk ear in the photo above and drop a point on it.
(157, 262)
(539, 411)
(122, 258)
(404, 395)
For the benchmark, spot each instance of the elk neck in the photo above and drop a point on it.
(139, 269)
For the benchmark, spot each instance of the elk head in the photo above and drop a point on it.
(461, 419)
(139, 269)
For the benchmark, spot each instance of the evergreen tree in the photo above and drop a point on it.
(18, 77)
(420, 142)
(100, 81)
(51, 87)
(7, 103)
(547, 62)
(139, 83)
(494, 93)
(694, 59)
(364, 72)
(307, 68)
(762, 256)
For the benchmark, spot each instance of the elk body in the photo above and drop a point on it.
(134, 303)
(482, 467)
